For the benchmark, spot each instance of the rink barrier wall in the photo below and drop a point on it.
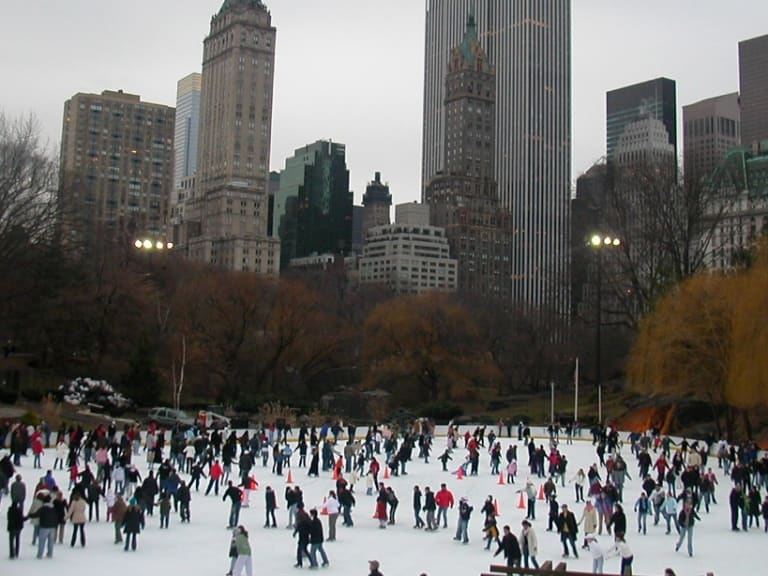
(545, 569)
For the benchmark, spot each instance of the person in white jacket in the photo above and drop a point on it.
(332, 507)
(579, 480)
(529, 544)
(598, 553)
(62, 451)
(623, 551)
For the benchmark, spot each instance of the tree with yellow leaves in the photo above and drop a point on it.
(706, 340)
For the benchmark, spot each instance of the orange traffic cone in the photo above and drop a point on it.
(324, 509)
(460, 473)
(290, 478)
(496, 510)
(386, 472)
(541, 492)
(501, 478)
(521, 502)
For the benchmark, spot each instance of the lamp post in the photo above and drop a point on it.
(552, 403)
(600, 243)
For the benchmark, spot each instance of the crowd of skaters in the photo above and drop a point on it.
(103, 466)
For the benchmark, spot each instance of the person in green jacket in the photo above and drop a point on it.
(243, 552)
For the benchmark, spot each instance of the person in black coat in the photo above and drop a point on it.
(235, 495)
(149, 490)
(554, 511)
(347, 501)
(417, 507)
(511, 548)
(15, 526)
(303, 529)
(270, 500)
(48, 524)
(133, 522)
(618, 520)
(184, 497)
(316, 540)
(566, 525)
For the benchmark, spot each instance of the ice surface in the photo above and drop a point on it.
(201, 548)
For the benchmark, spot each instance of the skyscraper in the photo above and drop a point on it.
(313, 206)
(753, 87)
(116, 168)
(187, 126)
(225, 215)
(376, 204)
(463, 197)
(711, 128)
(528, 43)
(654, 99)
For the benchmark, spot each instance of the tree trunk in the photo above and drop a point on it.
(179, 387)
(729, 423)
(747, 423)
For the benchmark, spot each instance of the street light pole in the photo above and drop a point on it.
(552, 403)
(600, 243)
(598, 331)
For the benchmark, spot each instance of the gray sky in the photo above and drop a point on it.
(352, 70)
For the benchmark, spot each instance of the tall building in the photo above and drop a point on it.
(463, 198)
(226, 213)
(529, 44)
(711, 128)
(187, 126)
(313, 207)
(409, 256)
(654, 99)
(753, 88)
(185, 145)
(587, 219)
(116, 168)
(377, 202)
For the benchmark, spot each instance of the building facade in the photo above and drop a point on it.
(313, 206)
(737, 213)
(711, 128)
(753, 89)
(409, 256)
(654, 99)
(116, 168)
(529, 45)
(225, 217)
(463, 198)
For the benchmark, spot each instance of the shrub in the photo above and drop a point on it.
(441, 411)
(30, 419)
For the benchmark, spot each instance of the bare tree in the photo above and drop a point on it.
(665, 224)
(27, 188)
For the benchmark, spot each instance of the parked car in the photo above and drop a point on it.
(213, 421)
(168, 417)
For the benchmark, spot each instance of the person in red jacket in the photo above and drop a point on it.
(444, 500)
(214, 475)
(381, 507)
(37, 450)
(373, 470)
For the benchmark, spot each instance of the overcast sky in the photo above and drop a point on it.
(352, 70)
